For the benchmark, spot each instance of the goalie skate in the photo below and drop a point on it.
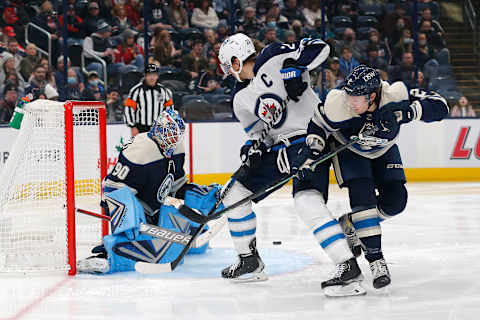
(346, 281)
(350, 234)
(249, 267)
(94, 265)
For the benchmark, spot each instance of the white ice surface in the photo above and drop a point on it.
(432, 250)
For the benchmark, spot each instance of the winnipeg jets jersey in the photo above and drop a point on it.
(149, 175)
(335, 117)
(255, 102)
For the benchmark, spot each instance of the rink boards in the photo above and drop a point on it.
(441, 151)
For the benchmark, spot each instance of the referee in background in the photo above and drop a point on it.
(146, 101)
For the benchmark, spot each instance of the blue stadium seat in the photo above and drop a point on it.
(370, 10)
(367, 21)
(362, 33)
(339, 32)
(342, 22)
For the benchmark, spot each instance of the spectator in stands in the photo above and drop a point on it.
(249, 23)
(421, 81)
(425, 52)
(128, 52)
(336, 72)
(204, 16)
(290, 37)
(312, 11)
(48, 21)
(292, 12)
(383, 51)
(133, 8)
(30, 61)
(427, 16)
(75, 28)
(224, 8)
(94, 89)
(209, 81)
(347, 62)
(194, 62)
(119, 20)
(271, 35)
(158, 18)
(262, 8)
(373, 60)
(274, 15)
(350, 41)
(59, 75)
(49, 71)
(396, 20)
(38, 80)
(91, 21)
(298, 29)
(403, 71)
(435, 39)
(463, 108)
(15, 18)
(12, 48)
(177, 15)
(12, 79)
(212, 38)
(115, 108)
(74, 88)
(141, 34)
(7, 66)
(222, 30)
(8, 103)
(330, 83)
(404, 44)
(164, 50)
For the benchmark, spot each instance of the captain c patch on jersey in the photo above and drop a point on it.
(266, 106)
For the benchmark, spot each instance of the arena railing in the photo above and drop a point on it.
(471, 17)
(49, 36)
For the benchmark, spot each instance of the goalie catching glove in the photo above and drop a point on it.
(292, 79)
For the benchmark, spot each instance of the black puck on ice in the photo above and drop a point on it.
(277, 242)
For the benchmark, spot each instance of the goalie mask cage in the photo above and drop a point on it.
(57, 162)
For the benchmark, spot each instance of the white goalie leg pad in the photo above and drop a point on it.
(242, 221)
(313, 211)
(352, 289)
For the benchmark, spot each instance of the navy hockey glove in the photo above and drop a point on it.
(292, 78)
(250, 156)
(387, 124)
(308, 154)
(404, 111)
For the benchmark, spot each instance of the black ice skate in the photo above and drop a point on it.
(346, 281)
(350, 234)
(249, 267)
(381, 275)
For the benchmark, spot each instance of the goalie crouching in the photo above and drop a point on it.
(139, 196)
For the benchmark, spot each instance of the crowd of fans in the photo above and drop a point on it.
(185, 38)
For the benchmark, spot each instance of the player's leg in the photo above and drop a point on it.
(310, 197)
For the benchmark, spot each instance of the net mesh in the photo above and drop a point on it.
(33, 230)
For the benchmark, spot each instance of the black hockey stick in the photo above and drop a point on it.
(194, 216)
(144, 267)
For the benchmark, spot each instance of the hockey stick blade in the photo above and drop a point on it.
(194, 216)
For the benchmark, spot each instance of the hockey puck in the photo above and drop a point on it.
(277, 242)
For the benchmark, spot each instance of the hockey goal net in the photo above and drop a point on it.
(57, 163)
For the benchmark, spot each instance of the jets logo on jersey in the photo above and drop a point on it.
(165, 187)
(266, 106)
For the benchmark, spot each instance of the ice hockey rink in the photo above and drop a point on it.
(432, 250)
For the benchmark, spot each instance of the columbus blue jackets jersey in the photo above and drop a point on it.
(335, 117)
(149, 175)
(255, 102)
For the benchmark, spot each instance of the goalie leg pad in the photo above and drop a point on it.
(312, 210)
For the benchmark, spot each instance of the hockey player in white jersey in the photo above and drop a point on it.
(278, 76)
(374, 163)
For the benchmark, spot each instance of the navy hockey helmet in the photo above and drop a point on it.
(362, 81)
(151, 68)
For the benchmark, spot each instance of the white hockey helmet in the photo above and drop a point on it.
(237, 46)
(168, 130)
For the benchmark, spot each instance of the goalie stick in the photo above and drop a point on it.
(150, 268)
(194, 216)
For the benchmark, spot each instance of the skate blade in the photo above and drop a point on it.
(251, 277)
(351, 289)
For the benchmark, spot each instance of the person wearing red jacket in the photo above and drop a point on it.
(129, 52)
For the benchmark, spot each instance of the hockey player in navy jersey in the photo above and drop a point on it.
(276, 77)
(374, 163)
(148, 171)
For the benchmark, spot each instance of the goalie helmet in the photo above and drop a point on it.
(362, 81)
(237, 46)
(167, 131)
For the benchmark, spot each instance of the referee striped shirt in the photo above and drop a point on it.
(144, 104)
